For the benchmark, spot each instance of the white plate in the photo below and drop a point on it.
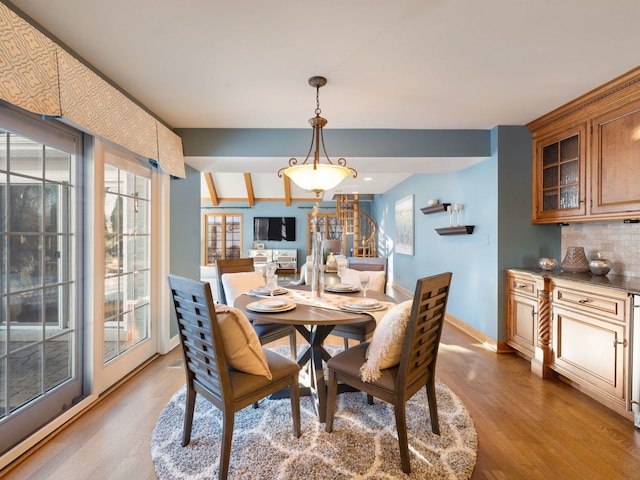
(341, 287)
(271, 306)
(265, 291)
(379, 308)
(362, 303)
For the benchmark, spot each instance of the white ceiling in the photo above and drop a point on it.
(406, 64)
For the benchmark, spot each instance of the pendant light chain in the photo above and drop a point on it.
(318, 111)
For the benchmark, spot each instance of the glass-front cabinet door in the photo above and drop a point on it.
(559, 175)
(222, 236)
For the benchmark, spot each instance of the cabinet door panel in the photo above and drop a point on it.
(616, 161)
(523, 325)
(586, 350)
(560, 175)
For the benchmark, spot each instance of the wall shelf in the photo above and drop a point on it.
(439, 207)
(459, 230)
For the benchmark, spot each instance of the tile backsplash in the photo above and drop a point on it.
(617, 241)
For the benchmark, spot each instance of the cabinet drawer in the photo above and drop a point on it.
(592, 302)
(523, 285)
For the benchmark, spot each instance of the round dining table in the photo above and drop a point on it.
(314, 323)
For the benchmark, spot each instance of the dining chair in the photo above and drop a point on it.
(207, 368)
(417, 351)
(267, 332)
(362, 331)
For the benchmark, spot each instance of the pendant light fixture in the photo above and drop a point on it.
(317, 177)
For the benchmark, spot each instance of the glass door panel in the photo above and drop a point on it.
(39, 334)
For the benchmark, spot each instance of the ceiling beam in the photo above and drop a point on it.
(250, 195)
(212, 189)
(287, 190)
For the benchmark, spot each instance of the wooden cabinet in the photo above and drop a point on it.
(522, 315)
(560, 166)
(615, 167)
(591, 344)
(585, 156)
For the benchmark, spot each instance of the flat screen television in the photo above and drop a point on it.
(279, 229)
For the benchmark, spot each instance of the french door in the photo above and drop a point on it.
(40, 263)
(124, 337)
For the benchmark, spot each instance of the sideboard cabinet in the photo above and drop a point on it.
(576, 330)
(585, 156)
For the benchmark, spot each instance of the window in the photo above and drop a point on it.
(223, 236)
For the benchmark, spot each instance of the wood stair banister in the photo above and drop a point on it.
(356, 224)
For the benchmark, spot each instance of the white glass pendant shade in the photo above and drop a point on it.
(317, 178)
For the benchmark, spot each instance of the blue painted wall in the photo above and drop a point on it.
(185, 218)
(496, 194)
(184, 237)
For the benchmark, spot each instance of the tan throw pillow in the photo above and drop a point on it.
(241, 344)
(235, 284)
(385, 348)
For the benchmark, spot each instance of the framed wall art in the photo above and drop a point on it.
(404, 225)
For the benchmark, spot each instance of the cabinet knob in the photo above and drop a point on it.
(520, 285)
(584, 300)
(616, 342)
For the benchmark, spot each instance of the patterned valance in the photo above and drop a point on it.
(28, 66)
(41, 77)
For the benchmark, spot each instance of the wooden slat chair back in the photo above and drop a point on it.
(207, 370)
(417, 364)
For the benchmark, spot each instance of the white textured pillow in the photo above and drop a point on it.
(385, 348)
(376, 279)
(235, 284)
(241, 344)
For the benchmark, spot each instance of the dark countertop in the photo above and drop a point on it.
(618, 282)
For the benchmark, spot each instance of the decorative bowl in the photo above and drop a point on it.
(433, 202)
(599, 265)
(546, 263)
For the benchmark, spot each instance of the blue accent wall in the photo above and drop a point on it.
(184, 237)
(496, 194)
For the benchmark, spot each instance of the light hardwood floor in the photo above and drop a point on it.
(528, 428)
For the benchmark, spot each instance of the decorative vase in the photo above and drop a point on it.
(546, 263)
(575, 261)
(317, 267)
(600, 265)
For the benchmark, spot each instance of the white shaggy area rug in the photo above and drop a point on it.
(363, 444)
